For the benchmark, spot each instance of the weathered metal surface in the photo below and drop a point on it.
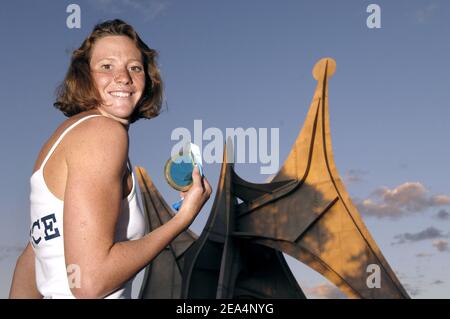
(162, 278)
(304, 211)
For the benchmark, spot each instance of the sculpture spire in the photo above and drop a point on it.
(304, 211)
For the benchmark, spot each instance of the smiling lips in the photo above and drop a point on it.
(121, 94)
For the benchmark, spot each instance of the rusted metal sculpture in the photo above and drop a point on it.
(304, 211)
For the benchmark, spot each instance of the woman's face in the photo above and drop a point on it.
(119, 75)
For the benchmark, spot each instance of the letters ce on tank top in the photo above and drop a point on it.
(46, 233)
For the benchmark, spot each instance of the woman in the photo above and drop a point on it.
(83, 174)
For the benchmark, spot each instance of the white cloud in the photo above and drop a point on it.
(352, 176)
(326, 291)
(428, 233)
(441, 245)
(405, 199)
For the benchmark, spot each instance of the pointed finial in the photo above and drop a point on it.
(319, 69)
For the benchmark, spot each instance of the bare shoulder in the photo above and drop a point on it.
(100, 125)
(97, 140)
(98, 129)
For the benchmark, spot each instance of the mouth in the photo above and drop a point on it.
(121, 94)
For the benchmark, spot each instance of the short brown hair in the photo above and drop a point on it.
(77, 93)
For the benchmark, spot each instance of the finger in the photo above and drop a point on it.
(196, 178)
(200, 169)
(208, 187)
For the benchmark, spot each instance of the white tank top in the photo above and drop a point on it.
(46, 232)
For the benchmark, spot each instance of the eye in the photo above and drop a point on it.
(106, 67)
(136, 68)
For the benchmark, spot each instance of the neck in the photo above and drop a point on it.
(125, 122)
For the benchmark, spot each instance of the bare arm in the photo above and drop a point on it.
(92, 205)
(23, 284)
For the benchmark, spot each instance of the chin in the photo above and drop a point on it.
(120, 111)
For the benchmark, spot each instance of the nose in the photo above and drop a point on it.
(122, 76)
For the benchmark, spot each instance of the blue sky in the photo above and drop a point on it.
(248, 64)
